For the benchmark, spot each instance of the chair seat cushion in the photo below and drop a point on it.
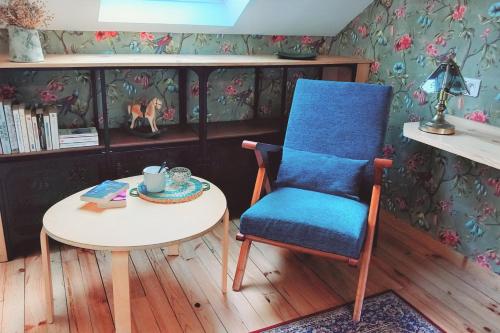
(309, 219)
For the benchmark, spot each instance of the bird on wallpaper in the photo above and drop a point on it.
(450, 54)
(64, 104)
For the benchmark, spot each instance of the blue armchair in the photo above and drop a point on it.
(323, 198)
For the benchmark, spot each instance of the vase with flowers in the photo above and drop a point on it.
(23, 18)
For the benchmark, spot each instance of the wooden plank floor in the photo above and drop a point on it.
(182, 294)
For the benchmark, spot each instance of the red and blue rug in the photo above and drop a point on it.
(382, 313)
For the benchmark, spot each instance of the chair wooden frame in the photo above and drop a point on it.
(262, 182)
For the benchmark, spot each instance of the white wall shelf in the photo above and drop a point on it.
(472, 140)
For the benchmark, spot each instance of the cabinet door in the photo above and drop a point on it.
(131, 163)
(29, 188)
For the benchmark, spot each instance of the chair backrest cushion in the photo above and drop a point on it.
(345, 119)
(324, 173)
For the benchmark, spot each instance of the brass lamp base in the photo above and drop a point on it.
(437, 127)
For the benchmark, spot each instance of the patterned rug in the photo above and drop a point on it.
(382, 313)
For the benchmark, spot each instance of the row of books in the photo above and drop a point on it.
(25, 129)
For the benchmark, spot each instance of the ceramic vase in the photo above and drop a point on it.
(24, 45)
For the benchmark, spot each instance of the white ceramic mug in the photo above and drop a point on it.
(155, 182)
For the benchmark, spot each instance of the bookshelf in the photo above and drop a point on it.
(211, 149)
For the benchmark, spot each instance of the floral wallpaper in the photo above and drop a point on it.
(455, 200)
(452, 198)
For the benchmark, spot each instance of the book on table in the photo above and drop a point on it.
(119, 201)
(104, 192)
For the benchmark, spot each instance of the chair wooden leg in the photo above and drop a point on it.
(360, 292)
(242, 263)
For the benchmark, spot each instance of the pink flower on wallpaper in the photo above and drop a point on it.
(306, 40)
(420, 96)
(169, 113)
(403, 43)
(102, 35)
(487, 211)
(378, 18)
(478, 116)
(238, 82)
(195, 89)
(374, 67)
(143, 79)
(47, 97)
(363, 31)
(230, 90)
(431, 50)
(415, 161)
(55, 86)
(446, 206)
(459, 12)
(400, 203)
(482, 260)
(440, 40)
(388, 151)
(277, 38)
(495, 183)
(7, 91)
(226, 48)
(449, 237)
(486, 33)
(400, 12)
(146, 36)
(165, 40)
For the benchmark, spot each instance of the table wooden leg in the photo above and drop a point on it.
(225, 250)
(173, 250)
(121, 291)
(47, 276)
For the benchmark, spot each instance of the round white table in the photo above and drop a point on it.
(140, 225)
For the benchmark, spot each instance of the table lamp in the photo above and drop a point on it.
(445, 80)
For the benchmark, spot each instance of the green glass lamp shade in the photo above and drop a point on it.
(445, 80)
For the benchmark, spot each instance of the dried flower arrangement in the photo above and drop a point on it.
(28, 14)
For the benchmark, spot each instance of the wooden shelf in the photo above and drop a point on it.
(120, 138)
(472, 140)
(48, 153)
(244, 128)
(172, 60)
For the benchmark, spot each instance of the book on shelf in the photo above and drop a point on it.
(4, 131)
(11, 127)
(119, 201)
(78, 137)
(29, 128)
(36, 133)
(24, 128)
(47, 129)
(17, 123)
(104, 192)
(54, 127)
(41, 128)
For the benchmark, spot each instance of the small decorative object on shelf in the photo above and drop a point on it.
(139, 114)
(23, 18)
(445, 80)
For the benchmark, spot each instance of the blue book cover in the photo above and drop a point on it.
(104, 192)
(4, 131)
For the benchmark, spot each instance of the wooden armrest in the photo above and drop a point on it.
(380, 164)
(249, 144)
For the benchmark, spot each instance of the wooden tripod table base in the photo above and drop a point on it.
(121, 230)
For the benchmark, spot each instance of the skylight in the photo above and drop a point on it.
(223, 13)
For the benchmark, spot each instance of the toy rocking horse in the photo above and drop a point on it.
(150, 113)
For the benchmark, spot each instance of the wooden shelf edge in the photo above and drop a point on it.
(472, 140)
(56, 152)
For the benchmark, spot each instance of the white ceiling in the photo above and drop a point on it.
(267, 17)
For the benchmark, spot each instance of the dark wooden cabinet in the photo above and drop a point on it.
(29, 188)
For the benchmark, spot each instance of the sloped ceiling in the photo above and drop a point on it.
(269, 17)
